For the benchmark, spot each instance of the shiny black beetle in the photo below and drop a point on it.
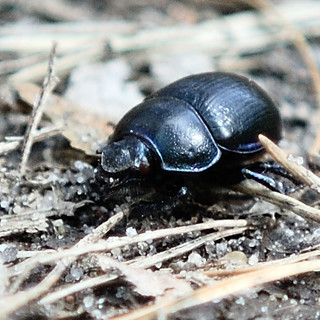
(191, 126)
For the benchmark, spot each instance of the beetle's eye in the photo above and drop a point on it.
(144, 168)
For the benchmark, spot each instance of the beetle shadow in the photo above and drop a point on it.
(166, 193)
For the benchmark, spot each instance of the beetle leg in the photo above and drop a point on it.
(258, 171)
(272, 167)
(159, 203)
(265, 180)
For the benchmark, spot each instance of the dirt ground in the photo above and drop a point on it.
(72, 249)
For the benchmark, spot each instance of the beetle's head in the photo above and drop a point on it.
(124, 160)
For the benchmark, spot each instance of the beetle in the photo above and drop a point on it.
(200, 124)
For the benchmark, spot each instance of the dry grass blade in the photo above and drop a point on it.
(146, 283)
(315, 254)
(301, 173)
(88, 245)
(57, 10)
(15, 301)
(146, 262)
(7, 146)
(48, 84)
(283, 201)
(28, 220)
(222, 289)
(65, 63)
(82, 132)
(67, 290)
(112, 243)
(242, 32)
(13, 143)
(239, 283)
(299, 39)
(102, 230)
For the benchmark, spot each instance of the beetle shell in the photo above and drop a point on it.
(173, 129)
(234, 108)
(187, 123)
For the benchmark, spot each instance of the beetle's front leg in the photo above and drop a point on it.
(259, 172)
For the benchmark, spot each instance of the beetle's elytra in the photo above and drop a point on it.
(189, 125)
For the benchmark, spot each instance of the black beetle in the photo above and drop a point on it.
(189, 127)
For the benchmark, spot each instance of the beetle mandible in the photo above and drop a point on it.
(191, 126)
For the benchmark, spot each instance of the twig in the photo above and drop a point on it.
(48, 84)
(301, 173)
(7, 146)
(311, 255)
(64, 291)
(13, 143)
(283, 201)
(146, 262)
